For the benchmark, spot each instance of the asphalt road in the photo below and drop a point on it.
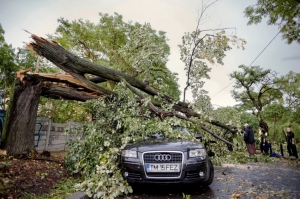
(255, 180)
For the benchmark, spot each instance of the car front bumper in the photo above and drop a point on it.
(193, 170)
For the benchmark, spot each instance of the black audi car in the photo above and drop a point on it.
(160, 160)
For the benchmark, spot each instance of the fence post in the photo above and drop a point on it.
(68, 133)
(48, 134)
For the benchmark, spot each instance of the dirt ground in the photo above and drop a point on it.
(32, 173)
(36, 174)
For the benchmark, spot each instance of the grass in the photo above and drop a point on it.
(5, 164)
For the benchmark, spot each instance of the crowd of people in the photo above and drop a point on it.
(249, 139)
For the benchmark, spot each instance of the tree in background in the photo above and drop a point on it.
(8, 68)
(290, 87)
(11, 61)
(61, 111)
(290, 84)
(274, 113)
(25, 59)
(255, 88)
(249, 118)
(283, 13)
(202, 47)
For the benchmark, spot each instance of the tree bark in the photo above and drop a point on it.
(58, 92)
(264, 125)
(62, 86)
(22, 117)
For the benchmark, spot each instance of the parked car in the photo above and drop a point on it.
(160, 160)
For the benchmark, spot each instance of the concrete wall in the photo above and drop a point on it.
(51, 136)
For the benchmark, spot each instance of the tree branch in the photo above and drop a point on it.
(162, 114)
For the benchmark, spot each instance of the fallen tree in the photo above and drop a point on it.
(75, 86)
(78, 67)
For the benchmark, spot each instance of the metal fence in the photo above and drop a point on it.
(52, 136)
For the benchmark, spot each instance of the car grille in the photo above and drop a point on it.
(163, 175)
(176, 157)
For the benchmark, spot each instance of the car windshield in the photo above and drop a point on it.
(160, 135)
(157, 135)
(182, 130)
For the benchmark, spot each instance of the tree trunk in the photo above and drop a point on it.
(264, 125)
(21, 117)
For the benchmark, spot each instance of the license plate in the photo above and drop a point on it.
(163, 167)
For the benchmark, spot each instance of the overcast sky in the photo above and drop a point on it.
(175, 17)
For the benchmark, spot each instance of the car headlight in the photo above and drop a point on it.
(197, 153)
(129, 154)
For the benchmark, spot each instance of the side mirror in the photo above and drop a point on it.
(198, 137)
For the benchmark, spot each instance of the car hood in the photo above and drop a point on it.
(164, 145)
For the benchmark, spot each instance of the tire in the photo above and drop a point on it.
(211, 175)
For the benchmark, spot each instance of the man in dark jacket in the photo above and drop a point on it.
(264, 144)
(291, 146)
(249, 139)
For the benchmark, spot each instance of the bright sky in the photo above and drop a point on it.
(172, 16)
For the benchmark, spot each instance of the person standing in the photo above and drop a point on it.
(258, 140)
(264, 144)
(249, 139)
(291, 146)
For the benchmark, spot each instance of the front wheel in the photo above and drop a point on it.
(211, 175)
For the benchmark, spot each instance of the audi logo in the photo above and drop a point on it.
(162, 157)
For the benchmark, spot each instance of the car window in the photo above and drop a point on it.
(157, 135)
(160, 135)
(182, 130)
